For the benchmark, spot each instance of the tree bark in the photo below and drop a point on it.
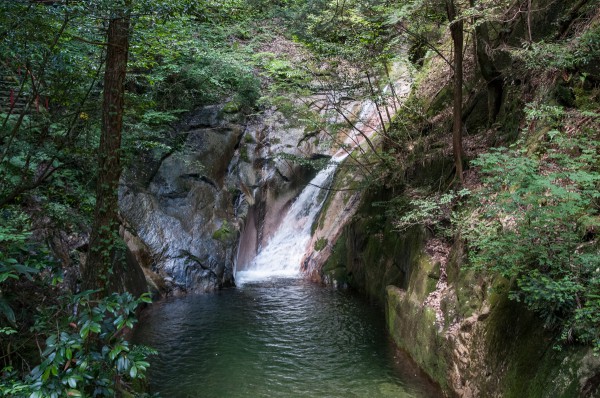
(487, 68)
(104, 236)
(456, 30)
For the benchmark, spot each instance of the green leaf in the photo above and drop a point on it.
(85, 330)
(146, 298)
(72, 382)
(95, 327)
(115, 352)
(123, 364)
(6, 310)
(133, 372)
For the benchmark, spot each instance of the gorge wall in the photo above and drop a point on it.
(460, 328)
(225, 189)
(186, 209)
(206, 207)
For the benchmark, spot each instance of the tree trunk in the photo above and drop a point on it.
(456, 29)
(104, 234)
(487, 68)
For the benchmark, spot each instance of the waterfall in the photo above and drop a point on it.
(283, 253)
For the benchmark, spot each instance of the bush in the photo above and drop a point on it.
(77, 340)
(537, 225)
(206, 78)
(570, 54)
(320, 244)
(87, 355)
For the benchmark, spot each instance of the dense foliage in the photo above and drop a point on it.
(530, 214)
(88, 356)
(535, 225)
(84, 352)
(56, 340)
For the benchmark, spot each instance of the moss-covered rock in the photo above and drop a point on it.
(413, 328)
(320, 244)
(498, 352)
(461, 327)
(232, 107)
(225, 233)
(373, 254)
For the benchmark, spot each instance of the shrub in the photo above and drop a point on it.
(89, 356)
(82, 348)
(320, 244)
(536, 225)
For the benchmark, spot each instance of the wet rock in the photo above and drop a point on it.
(189, 206)
(185, 202)
(272, 147)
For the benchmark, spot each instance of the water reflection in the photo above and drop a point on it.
(287, 338)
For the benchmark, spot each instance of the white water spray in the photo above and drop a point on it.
(283, 253)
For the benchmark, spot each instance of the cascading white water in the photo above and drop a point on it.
(283, 253)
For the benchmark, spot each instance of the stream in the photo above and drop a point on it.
(277, 334)
(283, 337)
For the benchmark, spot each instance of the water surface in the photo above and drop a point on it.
(278, 338)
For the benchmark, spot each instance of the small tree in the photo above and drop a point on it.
(456, 30)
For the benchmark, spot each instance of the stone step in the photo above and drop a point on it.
(12, 84)
(15, 92)
(7, 96)
(14, 111)
(6, 102)
(6, 93)
(18, 107)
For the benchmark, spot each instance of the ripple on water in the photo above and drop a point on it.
(284, 338)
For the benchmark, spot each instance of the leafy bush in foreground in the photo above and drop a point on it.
(88, 356)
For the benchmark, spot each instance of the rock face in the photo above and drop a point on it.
(458, 326)
(209, 205)
(270, 143)
(340, 206)
(349, 186)
(184, 207)
(500, 350)
(189, 206)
